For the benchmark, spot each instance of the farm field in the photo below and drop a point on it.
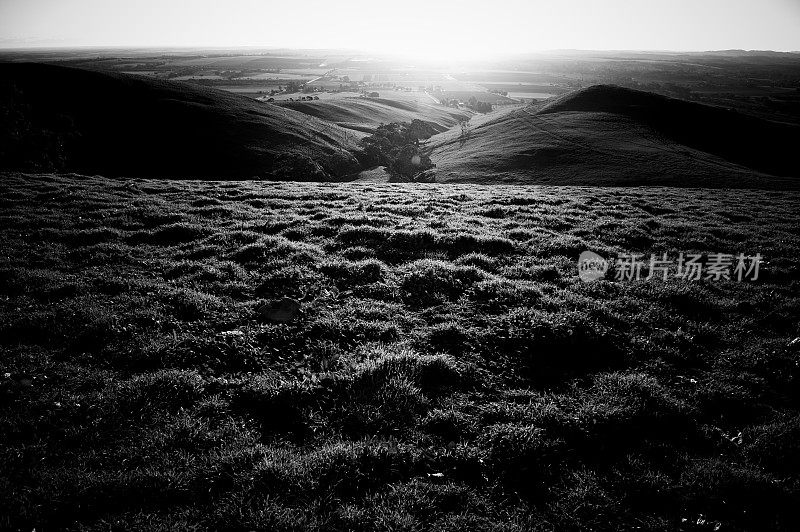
(365, 114)
(759, 83)
(446, 370)
(413, 97)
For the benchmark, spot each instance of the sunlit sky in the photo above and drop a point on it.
(427, 28)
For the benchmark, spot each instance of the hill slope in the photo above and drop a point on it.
(364, 114)
(57, 118)
(613, 136)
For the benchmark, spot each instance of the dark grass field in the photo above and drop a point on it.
(447, 370)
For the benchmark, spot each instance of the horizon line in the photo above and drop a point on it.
(33, 47)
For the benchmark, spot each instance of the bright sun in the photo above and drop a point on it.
(425, 29)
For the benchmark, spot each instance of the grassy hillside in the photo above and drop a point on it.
(760, 144)
(57, 118)
(364, 114)
(447, 370)
(612, 136)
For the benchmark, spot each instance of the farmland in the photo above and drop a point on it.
(763, 84)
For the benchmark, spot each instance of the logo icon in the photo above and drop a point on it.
(591, 266)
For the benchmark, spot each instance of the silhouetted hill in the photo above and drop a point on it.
(607, 135)
(753, 142)
(64, 119)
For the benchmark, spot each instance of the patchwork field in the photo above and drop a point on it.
(446, 370)
(763, 84)
(365, 114)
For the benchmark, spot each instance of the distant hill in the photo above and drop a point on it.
(55, 118)
(753, 142)
(365, 114)
(607, 135)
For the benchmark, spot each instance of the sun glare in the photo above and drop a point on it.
(424, 29)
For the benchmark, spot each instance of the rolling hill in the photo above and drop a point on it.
(54, 118)
(363, 114)
(65, 119)
(607, 135)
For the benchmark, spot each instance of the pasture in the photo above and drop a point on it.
(447, 370)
